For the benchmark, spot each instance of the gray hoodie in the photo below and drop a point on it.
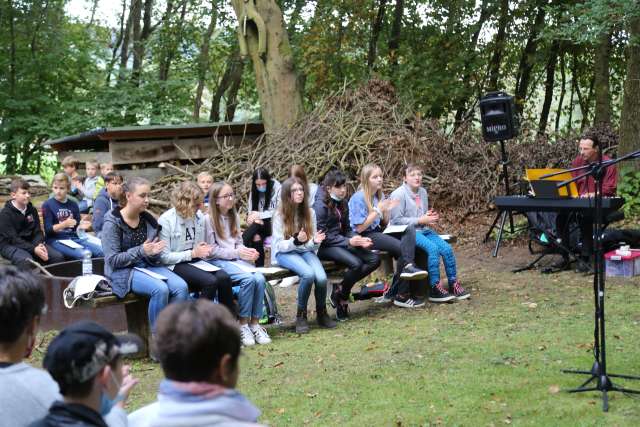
(408, 211)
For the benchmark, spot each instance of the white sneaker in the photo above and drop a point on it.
(260, 334)
(384, 299)
(288, 281)
(246, 336)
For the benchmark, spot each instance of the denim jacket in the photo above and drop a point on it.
(173, 232)
(119, 262)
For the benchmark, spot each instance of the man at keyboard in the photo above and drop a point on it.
(589, 150)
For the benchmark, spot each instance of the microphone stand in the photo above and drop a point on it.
(598, 372)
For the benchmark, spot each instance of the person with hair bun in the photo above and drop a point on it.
(132, 250)
(183, 231)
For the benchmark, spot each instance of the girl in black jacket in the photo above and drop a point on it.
(341, 245)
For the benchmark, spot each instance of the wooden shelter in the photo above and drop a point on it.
(141, 150)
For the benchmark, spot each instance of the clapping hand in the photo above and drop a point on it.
(153, 247)
(388, 204)
(319, 237)
(70, 222)
(202, 250)
(41, 251)
(248, 254)
(302, 236)
(431, 217)
(363, 242)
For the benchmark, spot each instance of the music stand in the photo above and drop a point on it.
(598, 370)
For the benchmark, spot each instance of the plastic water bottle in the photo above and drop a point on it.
(87, 266)
(82, 235)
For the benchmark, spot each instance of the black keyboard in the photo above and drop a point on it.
(534, 204)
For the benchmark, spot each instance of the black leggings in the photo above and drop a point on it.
(207, 284)
(359, 262)
(262, 230)
(402, 249)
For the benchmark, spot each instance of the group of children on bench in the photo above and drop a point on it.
(167, 258)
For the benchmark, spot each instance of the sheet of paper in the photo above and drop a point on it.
(204, 265)
(270, 270)
(94, 240)
(266, 214)
(151, 273)
(71, 244)
(394, 229)
(244, 266)
(445, 236)
(87, 284)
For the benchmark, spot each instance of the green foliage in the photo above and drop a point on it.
(629, 188)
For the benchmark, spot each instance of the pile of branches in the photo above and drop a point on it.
(370, 125)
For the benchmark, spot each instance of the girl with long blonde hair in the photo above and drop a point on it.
(369, 213)
(183, 230)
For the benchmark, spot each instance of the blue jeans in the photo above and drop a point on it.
(429, 241)
(83, 206)
(309, 268)
(161, 292)
(251, 295)
(96, 250)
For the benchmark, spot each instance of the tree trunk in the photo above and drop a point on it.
(394, 37)
(276, 81)
(563, 90)
(498, 48)
(118, 42)
(602, 112)
(548, 86)
(124, 50)
(376, 27)
(232, 93)
(461, 103)
(337, 57)
(172, 45)
(10, 160)
(203, 62)
(527, 59)
(136, 16)
(140, 37)
(232, 74)
(630, 116)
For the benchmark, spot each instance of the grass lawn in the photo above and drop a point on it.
(491, 360)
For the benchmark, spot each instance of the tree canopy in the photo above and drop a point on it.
(570, 64)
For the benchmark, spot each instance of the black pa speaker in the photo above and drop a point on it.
(498, 117)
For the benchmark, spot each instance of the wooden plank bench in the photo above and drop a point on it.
(136, 306)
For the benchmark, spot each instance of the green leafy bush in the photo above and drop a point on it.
(629, 188)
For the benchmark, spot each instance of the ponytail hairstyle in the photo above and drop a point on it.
(215, 214)
(333, 178)
(186, 197)
(369, 193)
(298, 172)
(260, 173)
(294, 216)
(129, 186)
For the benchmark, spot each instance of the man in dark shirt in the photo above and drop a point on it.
(21, 238)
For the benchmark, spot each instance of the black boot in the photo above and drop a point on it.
(324, 321)
(302, 326)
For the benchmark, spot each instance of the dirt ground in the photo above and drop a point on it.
(474, 261)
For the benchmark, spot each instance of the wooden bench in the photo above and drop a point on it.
(136, 306)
